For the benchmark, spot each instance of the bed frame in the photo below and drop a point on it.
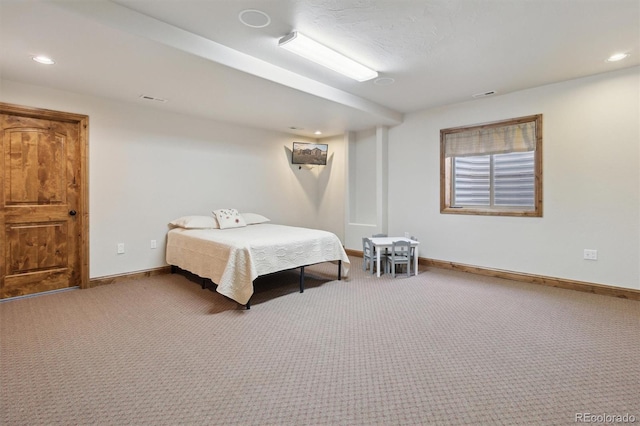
(175, 269)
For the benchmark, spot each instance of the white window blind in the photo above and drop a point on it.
(497, 180)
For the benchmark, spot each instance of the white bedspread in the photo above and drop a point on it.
(233, 258)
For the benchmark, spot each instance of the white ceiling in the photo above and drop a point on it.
(205, 62)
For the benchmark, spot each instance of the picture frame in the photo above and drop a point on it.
(309, 153)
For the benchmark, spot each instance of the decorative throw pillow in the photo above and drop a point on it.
(254, 218)
(229, 218)
(196, 222)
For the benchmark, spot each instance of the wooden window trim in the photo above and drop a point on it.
(446, 165)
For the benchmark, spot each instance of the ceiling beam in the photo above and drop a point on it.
(130, 21)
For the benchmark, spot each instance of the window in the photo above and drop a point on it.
(493, 168)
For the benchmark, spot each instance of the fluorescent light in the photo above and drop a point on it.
(320, 54)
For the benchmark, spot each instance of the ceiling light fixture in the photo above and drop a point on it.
(43, 60)
(617, 57)
(317, 132)
(310, 49)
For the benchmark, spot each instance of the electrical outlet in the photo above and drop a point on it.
(120, 248)
(406, 235)
(590, 254)
(153, 244)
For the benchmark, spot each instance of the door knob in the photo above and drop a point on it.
(72, 212)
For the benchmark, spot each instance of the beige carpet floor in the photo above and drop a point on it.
(442, 348)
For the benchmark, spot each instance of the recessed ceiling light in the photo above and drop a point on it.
(254, 18)
(44, 60)
(317, 132)
(617, 57)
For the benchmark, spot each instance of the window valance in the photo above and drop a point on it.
(519, 137)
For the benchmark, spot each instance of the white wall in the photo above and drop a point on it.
(591, 162)
(148, 167)
(331, 188)
(363, 190)
(366, 181)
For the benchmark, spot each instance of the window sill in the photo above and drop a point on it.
(490, 212)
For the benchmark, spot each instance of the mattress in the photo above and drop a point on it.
(233, 258)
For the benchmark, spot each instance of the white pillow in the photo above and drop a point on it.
(229, 218)
(196, 222)
(253, 218)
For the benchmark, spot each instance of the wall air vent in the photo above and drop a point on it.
(152, 98)
(484, 94)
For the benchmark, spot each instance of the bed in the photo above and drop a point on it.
(234, 258)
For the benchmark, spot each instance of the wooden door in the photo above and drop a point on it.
(44, 214)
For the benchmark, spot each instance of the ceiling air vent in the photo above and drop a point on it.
(482, 95)
(152, 98)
